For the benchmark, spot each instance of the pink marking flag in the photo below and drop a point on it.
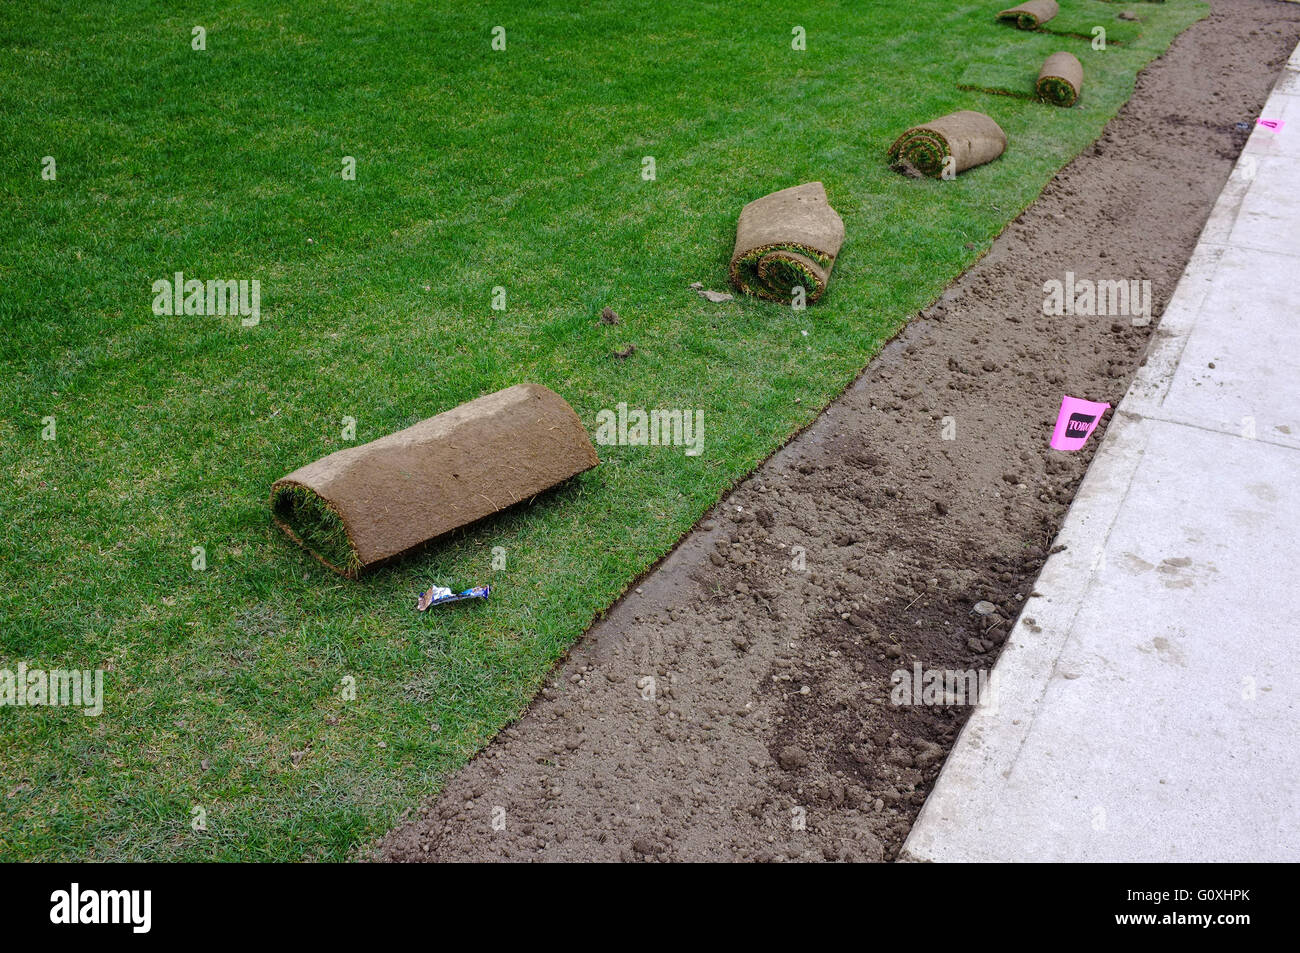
(1076, 422)
(1273, 124)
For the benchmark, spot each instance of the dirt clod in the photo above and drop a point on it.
(792, 758)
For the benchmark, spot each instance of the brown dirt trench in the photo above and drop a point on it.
(770, 734)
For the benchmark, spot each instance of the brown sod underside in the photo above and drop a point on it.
(787, 240)
(364, 505)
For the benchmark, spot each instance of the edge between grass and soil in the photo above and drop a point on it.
(232, 674)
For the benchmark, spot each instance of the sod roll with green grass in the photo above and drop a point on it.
(969, 138)
(1060, 80)
(364, 505)
(1031, 15)
(784, 241)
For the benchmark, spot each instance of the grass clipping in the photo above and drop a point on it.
(1060, 80)
(365, 505)
(784, 241)
(960, 140)
(1031, 15)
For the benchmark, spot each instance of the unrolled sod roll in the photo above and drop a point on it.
(971, 139)
(1060, 80)
(787, 239)
(1031, 15)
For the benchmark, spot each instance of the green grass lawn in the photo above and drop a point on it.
(475, 169)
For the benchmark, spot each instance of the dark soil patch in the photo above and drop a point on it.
(736, 707)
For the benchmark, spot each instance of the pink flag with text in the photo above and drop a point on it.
(1076, 422)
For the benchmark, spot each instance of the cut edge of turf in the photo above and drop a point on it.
(316, 525)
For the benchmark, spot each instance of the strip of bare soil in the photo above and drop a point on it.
(736, 707)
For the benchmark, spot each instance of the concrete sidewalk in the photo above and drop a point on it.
(1147, 699)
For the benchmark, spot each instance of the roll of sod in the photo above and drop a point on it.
(1060, 80)
(364, 505)
(970, 138)
(786, 240)
(1031, 15)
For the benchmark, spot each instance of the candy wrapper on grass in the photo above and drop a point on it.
(440, 595)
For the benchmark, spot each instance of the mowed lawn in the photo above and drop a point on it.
(475, 169)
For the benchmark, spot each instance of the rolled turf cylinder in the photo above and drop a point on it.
(786, 240)
(971, 139)
(1060, 80)
(1031, 15)
(363, 505)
